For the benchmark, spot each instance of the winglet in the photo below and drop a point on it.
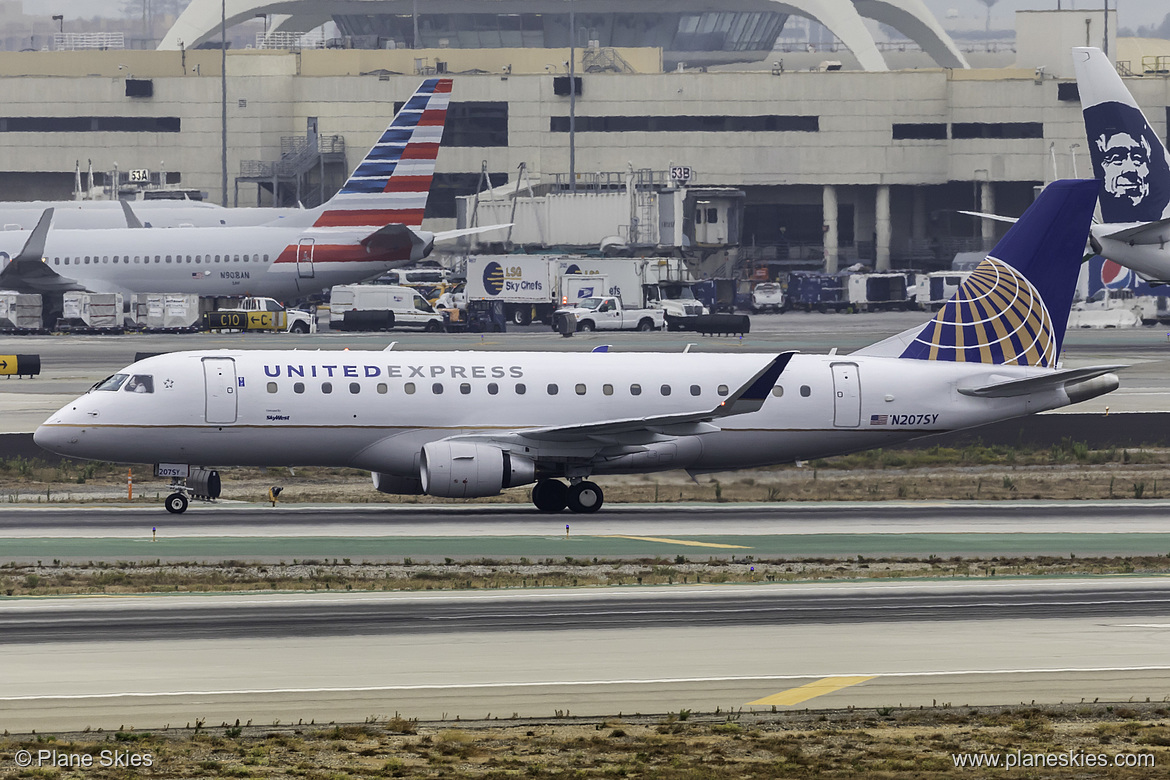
(34, 247)
(751, 396)
(132, 220)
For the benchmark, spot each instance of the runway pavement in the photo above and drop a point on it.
(149, 662)
(697, 531)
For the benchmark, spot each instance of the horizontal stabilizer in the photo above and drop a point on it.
(1036, 384)
(450, 235)
(1149, 233)
(992, 217)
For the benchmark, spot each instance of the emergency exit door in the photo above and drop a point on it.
(219, 379)
(846, 396)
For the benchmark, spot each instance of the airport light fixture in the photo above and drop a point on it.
(60, 19)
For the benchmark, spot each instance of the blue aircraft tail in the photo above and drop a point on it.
(1129, 159)
(1014, 307)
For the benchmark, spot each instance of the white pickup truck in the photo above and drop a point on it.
(607, 313)
(261, 314)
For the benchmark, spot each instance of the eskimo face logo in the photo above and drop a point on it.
(493, 278)
(1126, 164)
(1129, 161)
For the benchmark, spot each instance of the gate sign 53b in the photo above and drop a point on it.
(680, 173)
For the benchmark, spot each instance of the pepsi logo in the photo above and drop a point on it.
(1115, 276)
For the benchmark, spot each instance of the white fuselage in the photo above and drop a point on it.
(375, 410)
(274, 261)
(98, 214)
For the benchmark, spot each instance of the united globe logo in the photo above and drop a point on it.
(493, 278)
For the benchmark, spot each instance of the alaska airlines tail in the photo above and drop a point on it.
(1129, 159)
(1014, 307)
(390, 186)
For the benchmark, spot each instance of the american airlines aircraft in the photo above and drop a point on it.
(370, 226)
(1133, 167)
(470, 424)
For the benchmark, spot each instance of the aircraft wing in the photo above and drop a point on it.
(1157, 232)
(28, 273)
(1036, 384)
(749, 397)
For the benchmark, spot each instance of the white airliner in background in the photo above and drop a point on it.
(468, 424)
(1132, 165)
(99, 214)
(370, 226)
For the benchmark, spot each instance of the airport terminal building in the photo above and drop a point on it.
(866, 164)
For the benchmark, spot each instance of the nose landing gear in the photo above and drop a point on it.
(200, 483)
(552, 495)
(176, 503)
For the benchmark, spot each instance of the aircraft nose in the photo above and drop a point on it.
(54, 439)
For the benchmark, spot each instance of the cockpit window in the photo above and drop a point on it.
(140, 383)
(112, 383)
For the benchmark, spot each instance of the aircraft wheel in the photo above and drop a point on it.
(585, 497)
(550, 495)
(176, 503)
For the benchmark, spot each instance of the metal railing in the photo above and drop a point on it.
(91, 40)
(278, 39)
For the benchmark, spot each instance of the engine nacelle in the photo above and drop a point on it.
(396, 485)
(458, 469)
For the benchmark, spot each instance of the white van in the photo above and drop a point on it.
(380, 307)
(413, 277)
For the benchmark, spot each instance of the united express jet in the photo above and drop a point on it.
(371, 225)
(1133, 167)
(471, 424)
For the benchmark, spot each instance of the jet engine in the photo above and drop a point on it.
(457, 469)
(396, 485)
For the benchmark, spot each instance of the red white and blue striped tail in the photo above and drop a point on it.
(390, 186)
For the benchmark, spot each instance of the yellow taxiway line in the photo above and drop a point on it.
(687, 542)
(810, 691)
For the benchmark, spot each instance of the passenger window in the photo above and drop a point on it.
(722, 390)
(465, 388)
(696, 390)
(437, 388)
(109, 384)
(299, 387)
(272, 387)
(553, 389)
(778, 391)
(168, 258)
(607, 389)
(409, 388)
(521, 389)
(382, 388)
(493, 388)
(712, 215)
(148, 259)
(355, 388)
(197, 260)
(87, 259)
(326, 387)
(635, 389)
(106, 258)
(140, 383)
(805, 391)
(217, 258)
(665, 389)
(580, 389)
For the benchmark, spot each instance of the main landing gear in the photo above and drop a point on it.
(552, 495)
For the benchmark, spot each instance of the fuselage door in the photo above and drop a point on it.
(846, 395)
(305, 258)
(219, 379)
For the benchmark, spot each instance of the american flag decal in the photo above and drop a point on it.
(196, 274)
(878, 419)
